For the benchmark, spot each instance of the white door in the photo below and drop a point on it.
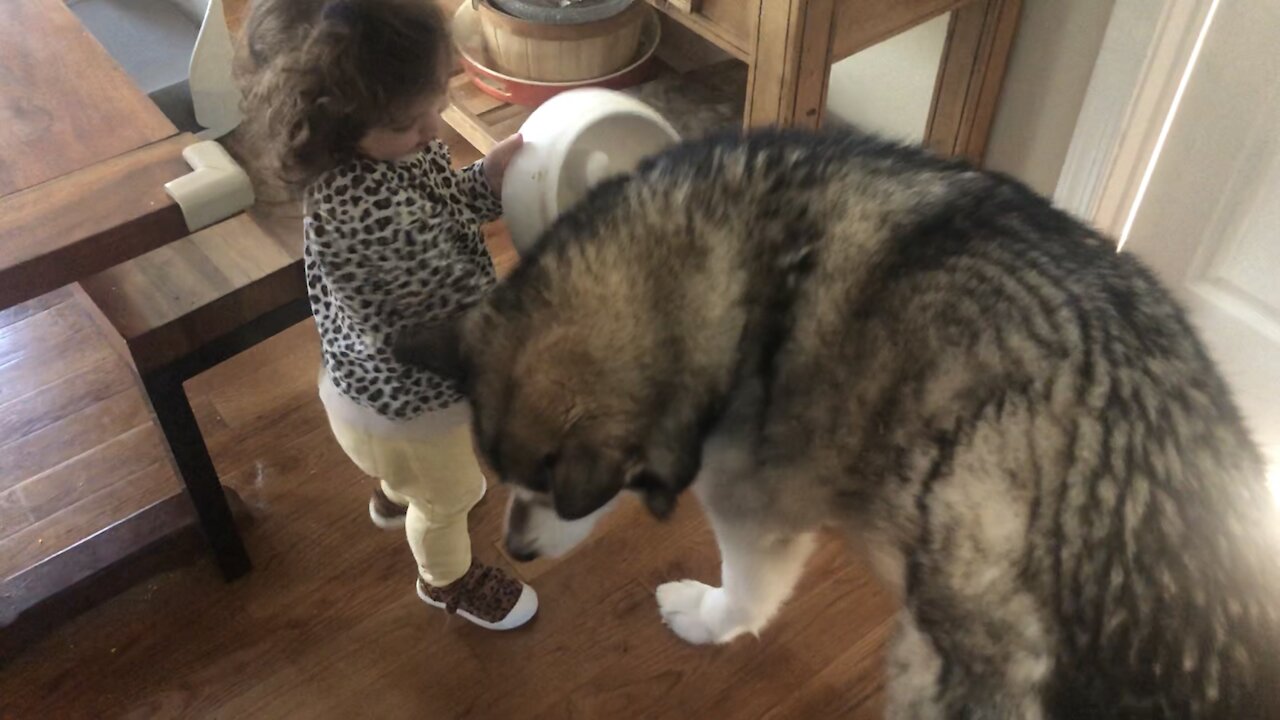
(1209, 221)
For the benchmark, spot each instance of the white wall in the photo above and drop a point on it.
(1053, 56)
(888, 88)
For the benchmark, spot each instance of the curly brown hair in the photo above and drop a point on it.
(319, 74)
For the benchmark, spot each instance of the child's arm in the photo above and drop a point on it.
(481, 181)
(480, 201)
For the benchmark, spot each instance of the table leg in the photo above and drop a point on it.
(195, 467)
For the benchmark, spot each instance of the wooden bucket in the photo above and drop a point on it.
(561, 53)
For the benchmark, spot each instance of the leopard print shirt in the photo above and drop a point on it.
(390, 244)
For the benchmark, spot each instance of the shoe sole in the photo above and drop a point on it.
(524, 611)
(384, 522)
(396, 522)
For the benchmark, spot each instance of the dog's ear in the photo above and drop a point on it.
(659, 495)
(586, 478)
(436, 347)
(666, 469)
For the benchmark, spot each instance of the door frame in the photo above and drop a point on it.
(1146, 56)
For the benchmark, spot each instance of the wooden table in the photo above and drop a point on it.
(84, 156)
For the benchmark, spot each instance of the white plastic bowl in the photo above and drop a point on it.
(571, 143)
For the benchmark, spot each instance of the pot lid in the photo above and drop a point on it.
(562, 12)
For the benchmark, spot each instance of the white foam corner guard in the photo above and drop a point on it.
(215, 189)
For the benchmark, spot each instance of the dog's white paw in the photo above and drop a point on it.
(695, 612)
(680, 603)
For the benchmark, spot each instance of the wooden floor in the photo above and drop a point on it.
(327, 625)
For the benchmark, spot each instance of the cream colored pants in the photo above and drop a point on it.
(437, 477)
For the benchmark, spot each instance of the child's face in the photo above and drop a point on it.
(409, 135)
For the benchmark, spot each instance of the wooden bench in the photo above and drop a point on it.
(190, 305)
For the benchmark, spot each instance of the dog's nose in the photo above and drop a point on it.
(521, 554)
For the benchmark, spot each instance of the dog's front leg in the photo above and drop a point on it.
(758, 571)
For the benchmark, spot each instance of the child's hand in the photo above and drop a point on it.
(495, 163)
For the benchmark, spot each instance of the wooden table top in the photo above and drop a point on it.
(64, 102)
(84, 155)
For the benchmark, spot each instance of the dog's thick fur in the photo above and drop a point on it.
(830, 331)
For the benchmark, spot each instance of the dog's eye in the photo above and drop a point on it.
(541, 480)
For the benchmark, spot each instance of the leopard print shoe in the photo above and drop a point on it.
(486, 596)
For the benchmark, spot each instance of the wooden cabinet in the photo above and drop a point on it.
(729, 24)
(788, 47)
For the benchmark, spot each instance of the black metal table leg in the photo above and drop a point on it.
(195, 467)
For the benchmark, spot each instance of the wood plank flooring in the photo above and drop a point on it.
(327, 625)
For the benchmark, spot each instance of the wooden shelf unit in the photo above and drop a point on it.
(785, 49)
(696, 102)
(481, 119)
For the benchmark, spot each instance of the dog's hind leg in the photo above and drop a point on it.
(758, 571)
(914, 668)
(928, 682)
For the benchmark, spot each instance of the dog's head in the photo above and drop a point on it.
(570, 413)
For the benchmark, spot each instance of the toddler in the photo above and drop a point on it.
(347, 97)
